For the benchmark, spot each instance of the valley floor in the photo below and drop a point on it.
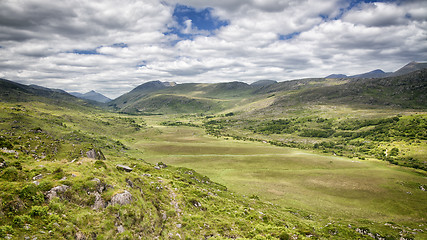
(331, 188)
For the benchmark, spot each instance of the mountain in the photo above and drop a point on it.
(372, 74)
(263, 83)
(336, 76)
(378, 73)
(92, 95)
(405, 91)
(15, 92)
(410, 67)
(137, 93)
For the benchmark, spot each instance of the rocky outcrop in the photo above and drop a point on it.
(99, 202)
(121, 198)
(56, 192)
(95, 154)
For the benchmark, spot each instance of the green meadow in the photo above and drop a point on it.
(330, 187)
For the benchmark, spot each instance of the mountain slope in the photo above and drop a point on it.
(92, 95)
(137, 93)
(15, 92)
(410, 67)
(378, 73)
(406, 91)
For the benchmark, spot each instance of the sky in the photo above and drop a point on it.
(112, 46)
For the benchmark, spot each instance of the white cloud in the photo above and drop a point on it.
(38, 38)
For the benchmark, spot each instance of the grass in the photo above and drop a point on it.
(287, 192)
(331, 187)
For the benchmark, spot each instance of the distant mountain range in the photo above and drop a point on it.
(92, 95)
(378, 73)
(405, 88)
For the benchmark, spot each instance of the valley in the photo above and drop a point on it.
(304, 159)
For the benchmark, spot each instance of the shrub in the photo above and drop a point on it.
(45, 186)
(11, 174)
(28, 192)
(58, 173)
(100, 164)
(19, 221)
(38, 211)
(4, 230)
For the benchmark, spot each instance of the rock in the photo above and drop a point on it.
(124, 168)
(95, 154)
(99, 202)
(422, 188)
(120, 229)
(3, 164)
(54, 192)
(36, 183)
(40, 176)
(121, 198)
(80, 236)
(161, 165)
(129, 182)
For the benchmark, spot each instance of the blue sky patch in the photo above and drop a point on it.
(95, 50)
(288, 36)
(202, 21)
(119, 45)
(86, 52)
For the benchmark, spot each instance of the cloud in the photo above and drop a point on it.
(113, 46)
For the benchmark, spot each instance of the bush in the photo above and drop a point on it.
(11, 174)
(45, 186)
(19, 221)
(100, 164)
(58, 173)
(38, 211)
(28, 192)
(4, 230)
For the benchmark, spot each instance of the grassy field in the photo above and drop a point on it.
(329, 187)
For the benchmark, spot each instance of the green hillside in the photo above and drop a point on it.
(303, 159)
(61, 178)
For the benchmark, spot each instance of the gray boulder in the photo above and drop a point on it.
(121, 198)
(56, 191)
(124, 168)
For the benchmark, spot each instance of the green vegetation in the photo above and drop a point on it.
(303, 159)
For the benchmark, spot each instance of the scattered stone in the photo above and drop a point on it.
(3, 164)
(96, 180)
(422, 188)
(124, 168)
(129, 182)
(40, 176)
(121, 198)
(73, 175)
(179, 225)
(27, 226)
(55, 191)
(36, 183)
(62, 179)
(146, 175)
(160, 165)
(120, 229)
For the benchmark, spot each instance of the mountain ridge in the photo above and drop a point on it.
(91, 95)
(378, 73)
